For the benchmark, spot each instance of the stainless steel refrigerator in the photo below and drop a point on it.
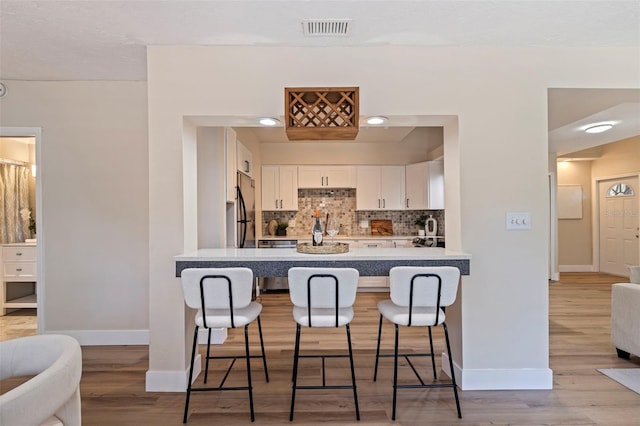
(246, 211)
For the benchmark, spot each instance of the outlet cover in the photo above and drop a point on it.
(518, 221)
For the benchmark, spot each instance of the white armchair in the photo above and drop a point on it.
(625, 316)
(52, 395)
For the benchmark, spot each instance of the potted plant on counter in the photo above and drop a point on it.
(281, 229)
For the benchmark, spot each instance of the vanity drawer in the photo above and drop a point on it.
(19, 254)
(19, 271)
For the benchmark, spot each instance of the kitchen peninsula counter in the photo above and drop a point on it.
(276, 263)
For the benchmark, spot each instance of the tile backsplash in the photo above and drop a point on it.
(341, 203)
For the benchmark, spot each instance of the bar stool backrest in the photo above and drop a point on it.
(323, 287)
(420, 286)
(217, 288)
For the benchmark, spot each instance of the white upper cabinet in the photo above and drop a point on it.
(436, 185)
(245, 160)
(425, 186)
(326, 177)
(380, 188)
(279, 188)
(417, 176)
(230, 142)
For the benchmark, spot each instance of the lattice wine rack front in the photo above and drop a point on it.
(320, 113)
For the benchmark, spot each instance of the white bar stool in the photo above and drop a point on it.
(222, 297)
(323, 297)
(418, 298)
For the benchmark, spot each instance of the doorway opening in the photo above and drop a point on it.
(21, 283)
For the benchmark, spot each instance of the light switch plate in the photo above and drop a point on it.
(518, 221)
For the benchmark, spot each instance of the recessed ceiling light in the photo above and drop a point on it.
(599, 128)
(269, 121)
(377, 120)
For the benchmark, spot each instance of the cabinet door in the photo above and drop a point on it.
(310, 177)
(339, 177)
(245, 159)
(230, 163)
(368, 188)
(288, 181)
(270, 188)
(392, 187)
(436, 185)
(416, 177)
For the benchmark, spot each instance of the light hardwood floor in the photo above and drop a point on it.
(579, 321)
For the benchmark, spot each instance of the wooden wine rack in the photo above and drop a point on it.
(321, 113)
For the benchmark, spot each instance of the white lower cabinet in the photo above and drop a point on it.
(366, 283)
(19, 277)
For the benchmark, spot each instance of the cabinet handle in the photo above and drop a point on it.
(280, 203)
(327, 180)
(372, 245)
(18, 254)
(276, 204)
(384, 203)
(378, 202)
(321, 181)
(19, 269)
(407, 203)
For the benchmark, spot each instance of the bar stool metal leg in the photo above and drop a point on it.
(193, 356)
(353, 373)
(395, 374)
(294, 379)
(250, 388)
(433, 358)
(453, 374)
(375, 371)
(264, 358)
(206, 370)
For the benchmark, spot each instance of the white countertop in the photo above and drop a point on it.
(26, 244)
(290, 254)
(346, 237)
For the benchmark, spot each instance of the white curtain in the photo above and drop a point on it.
(14, 197)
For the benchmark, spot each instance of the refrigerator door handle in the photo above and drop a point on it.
(243, 218)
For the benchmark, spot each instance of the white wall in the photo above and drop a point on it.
(94, 174)
(499, 96)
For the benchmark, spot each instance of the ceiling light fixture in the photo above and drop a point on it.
(378, 119)
(269, 121)
(598, 128)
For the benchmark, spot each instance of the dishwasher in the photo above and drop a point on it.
(275, 283)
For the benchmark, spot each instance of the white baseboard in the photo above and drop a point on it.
(576, 268)
(172, 381)
(106, 337)
(176, 381)
(500, 379)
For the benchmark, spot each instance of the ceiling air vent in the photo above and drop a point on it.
(326, 27)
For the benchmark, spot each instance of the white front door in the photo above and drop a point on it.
(618, 225)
